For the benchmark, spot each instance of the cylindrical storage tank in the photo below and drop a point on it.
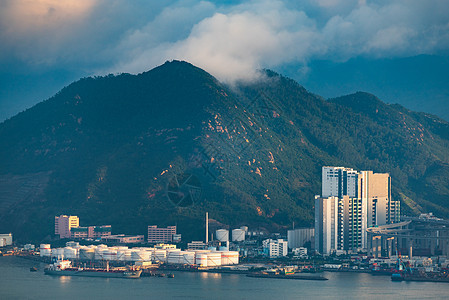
(238, 235)
(201, 251)
(109, 254)
(58, 253)
(45, 250)
(188, 257)
(145, 255)
(222, 235)
(229, 258)
(121, 254)
(128, 256)
(160, 255)
(135, 255)
(223, 248)
(174, 257)
(99, 253)
(201, 259)
(45, 246)
(87, 254)
(70, 253)
(212, 249)
(214, 259)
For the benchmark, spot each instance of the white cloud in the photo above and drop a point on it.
(229, 40)
(237, 40)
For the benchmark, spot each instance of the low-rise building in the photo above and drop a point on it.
(275, 248)
(161, 235)
(92, 232)
(301, 252)
(123, 239)
(5, 239)
(196, 245)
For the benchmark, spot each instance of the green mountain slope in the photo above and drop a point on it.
(165, 146)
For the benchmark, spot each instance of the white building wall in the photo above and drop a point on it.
(326, 224)
(298, 237)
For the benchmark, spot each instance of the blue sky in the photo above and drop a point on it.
(46, 44)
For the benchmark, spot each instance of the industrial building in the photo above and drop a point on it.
(161, 235)
(415, 236)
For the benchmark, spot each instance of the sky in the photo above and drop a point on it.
(47, 44)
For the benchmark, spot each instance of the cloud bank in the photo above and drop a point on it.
(229, 39)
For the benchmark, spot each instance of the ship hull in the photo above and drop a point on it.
(96, 273)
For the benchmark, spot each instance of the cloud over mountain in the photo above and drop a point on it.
(231, 39)
(227, 38)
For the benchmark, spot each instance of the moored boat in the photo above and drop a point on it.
(64, 268)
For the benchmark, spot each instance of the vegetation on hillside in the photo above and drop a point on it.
(164, 146)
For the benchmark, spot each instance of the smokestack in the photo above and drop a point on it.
(207, 228)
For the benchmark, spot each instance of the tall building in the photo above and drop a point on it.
(160, 235)
(326, 224)
(338, 182)
(351, 201)
(64, 223)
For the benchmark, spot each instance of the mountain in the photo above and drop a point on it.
(417, 82)
(165, 146)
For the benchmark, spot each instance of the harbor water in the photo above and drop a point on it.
(17, 282)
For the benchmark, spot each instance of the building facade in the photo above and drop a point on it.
(92, 232)
(123, 239)
(326, 224)
(161, 235)
(351, 201)
(300, 237)
(63, 225)
(275, 248)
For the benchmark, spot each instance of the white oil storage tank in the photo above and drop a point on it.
(222, 235)
(70, 253)
(229, 258)
(201, 259)
(238, 235)
(45, 250)
(213, 259)
(109, 254)
(160, 255)
(181, 257)
(58, 253)
(87, 253)
(99, 253)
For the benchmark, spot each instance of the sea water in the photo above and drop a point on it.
(17, 282)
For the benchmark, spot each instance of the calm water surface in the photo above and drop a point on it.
(17, 282)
